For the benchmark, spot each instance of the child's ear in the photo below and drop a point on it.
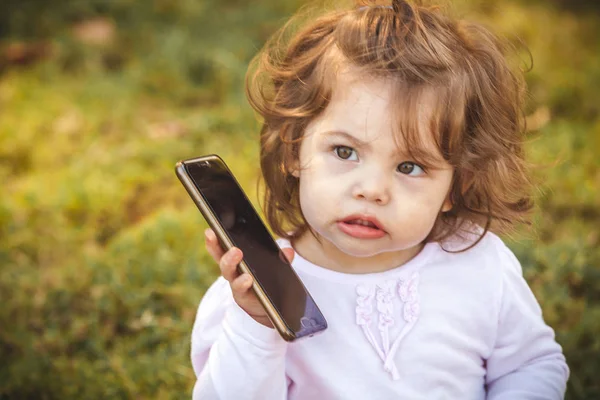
(467, 183)
(294, 169)
(447, 206)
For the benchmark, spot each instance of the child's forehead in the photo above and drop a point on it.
(350, 82)
(350, 91)
(361, 99)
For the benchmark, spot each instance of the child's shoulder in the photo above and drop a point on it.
(485, 273)
(481, 250)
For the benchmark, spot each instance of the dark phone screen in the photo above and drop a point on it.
(262, 255)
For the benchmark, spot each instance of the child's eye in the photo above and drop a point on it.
(410, 168)
(345, 153)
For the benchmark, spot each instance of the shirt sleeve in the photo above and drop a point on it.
(233, 356)
(526, 362)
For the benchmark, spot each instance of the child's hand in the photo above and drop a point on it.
(240, 283)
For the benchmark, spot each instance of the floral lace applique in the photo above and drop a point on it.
(364, 309)
(409, 294)
(383, 295)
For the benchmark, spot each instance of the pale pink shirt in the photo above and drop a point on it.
(442, 326)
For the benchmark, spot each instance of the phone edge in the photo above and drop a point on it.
(285, 332)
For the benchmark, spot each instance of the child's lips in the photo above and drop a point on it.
(360, 231)
(362, 227)
(364, 219)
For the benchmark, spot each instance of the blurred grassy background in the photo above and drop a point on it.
(101, 251)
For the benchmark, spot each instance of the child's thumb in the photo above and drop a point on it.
(288, 252)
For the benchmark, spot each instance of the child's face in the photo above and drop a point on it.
(363, 175)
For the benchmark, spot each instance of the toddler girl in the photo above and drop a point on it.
(390, 150)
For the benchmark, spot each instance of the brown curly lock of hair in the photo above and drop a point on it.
(477, 120)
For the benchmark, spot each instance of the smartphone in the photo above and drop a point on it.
(226, 208)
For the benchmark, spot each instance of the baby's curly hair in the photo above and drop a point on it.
(477, 121)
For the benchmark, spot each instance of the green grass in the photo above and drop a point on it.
(102, 262)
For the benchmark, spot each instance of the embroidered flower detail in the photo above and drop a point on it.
(385, 294)
(364, 304)
(411, 311)
(409, 294)
(408, 289)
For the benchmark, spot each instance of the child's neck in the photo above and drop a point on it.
(323, 253)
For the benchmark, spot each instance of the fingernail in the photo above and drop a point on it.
(207, 233)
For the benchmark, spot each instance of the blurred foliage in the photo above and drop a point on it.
(101, 256)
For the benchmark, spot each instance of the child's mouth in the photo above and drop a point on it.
(361, 228)
(361, 222)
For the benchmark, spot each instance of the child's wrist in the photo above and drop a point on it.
(243, 325)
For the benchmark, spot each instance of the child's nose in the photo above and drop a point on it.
(373, 187)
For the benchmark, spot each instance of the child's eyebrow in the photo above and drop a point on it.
(352, 139)
(424, 155)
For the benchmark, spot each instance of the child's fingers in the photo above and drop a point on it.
(229, 262)
(212, 245)
(240, 287)
(289, 253)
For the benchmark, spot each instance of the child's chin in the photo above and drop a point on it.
(363, 248)
(360, 250)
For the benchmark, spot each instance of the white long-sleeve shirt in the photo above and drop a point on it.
(442, 326)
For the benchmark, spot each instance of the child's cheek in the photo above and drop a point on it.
(336, 166)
